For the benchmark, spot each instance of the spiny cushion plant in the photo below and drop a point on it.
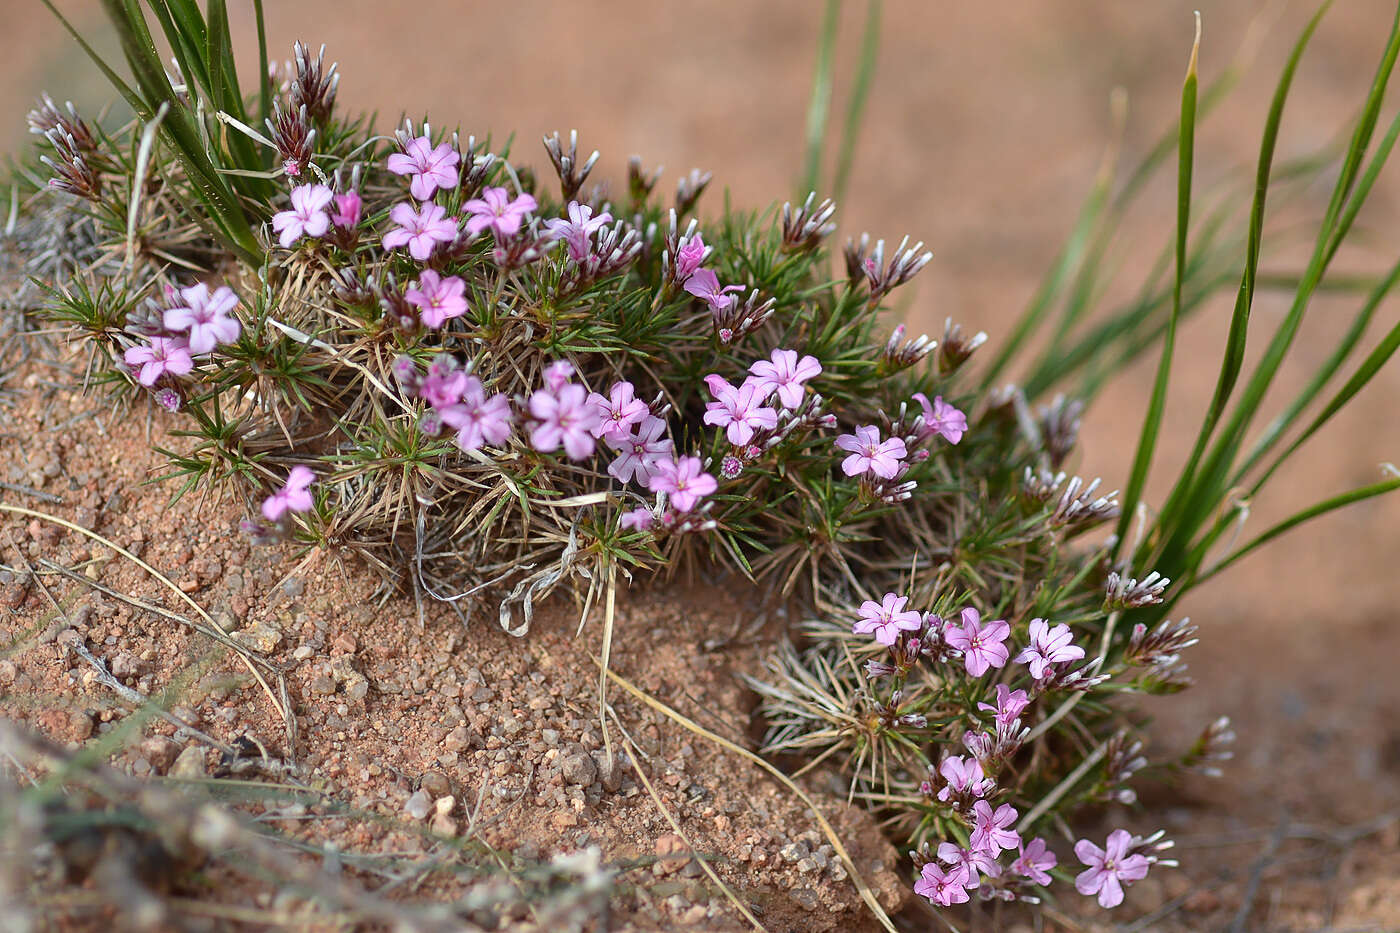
(490, 385)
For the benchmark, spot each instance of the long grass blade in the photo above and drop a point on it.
(819, 107)
(860, 96)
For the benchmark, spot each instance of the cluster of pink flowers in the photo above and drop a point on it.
(745, 412)
(701, 282)
(194, 328)
(878, 460)
(312, 214)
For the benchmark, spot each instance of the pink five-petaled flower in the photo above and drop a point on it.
(704, 284)
(944, 887)
(886, 619)
(1109, 867)
(739, 411)
(690, 256)
(784, 373)
(437, 299)
(292, 497)
(684, 480)
(420, 230)
(638, 519)
(479, 420)
(494, 209)
(1035, 861)
(431, 168)
(619, 411)
(991, 830)
(869, 454)
(980, 644)
(162, 355)
(964, 777)
(1049, 646)
(307, 217)
(205, 317)
(558, 373)
(563, 417)
(577, 229)
(640, 455)
(941, 418)
(974, 862)
(347, 210)
(1010, 704)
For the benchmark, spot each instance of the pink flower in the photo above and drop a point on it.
(1035, 861)
(494, 209)
(347, 210)
(871, 455)
(981, 645)
(619, 411)
(421, 230)
(684, 480)
(689, 256)
(307, 216)
(886, 619)
(205, 317)
(964, 777)
(740, 411)
(991, 830)
(1010, 705)
(784, 374)
(479, 420)
(558, 373)
(638, 519)
(577, 229)
(942, 887)
(437, 299)
(941, 418)
(444, 382)
(1109, 868)
(1048, 647)
(973, 862)
(162, 355)
(431, 168)
(640, 454)
(292, 497)
(563, 418)
(703, 283)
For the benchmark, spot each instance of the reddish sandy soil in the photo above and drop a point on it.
(984, 132)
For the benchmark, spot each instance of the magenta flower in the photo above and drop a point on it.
(944, 887)
(479, 420)
(577, 230)
(1110, 868)
(991, 830)
(1010, 705)
(964, 777)
(886, 619)
(703, 283)
(784, 373)
(638, 519)
(974, 862)
(162, 355)
(869, 454)
(640, 454)
(420, 230)
(205, 317)
(431, 168)
(1035, 861)
(307, 217)
(558, 373)
(292, 497)
(437, 299)
(684, 480)
(347, 210)
(739, 411)
(563, 418)
(689, 256)
(1048, 647)
(443, 384)
(494, 209)
(941, 418)
(620, 410)
(981, 645)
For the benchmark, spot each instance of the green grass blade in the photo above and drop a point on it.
(264, 76)
(860, 95)
(1147, 442)
(819, 107)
